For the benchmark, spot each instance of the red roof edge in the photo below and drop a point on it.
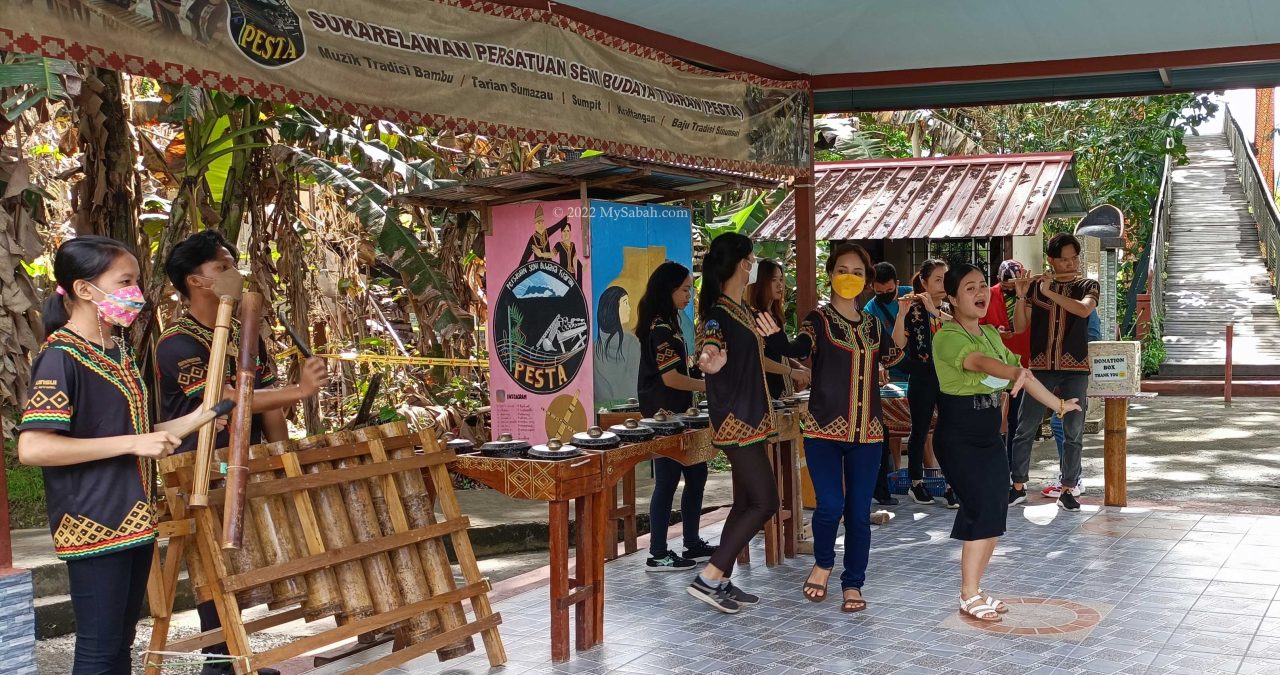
(957, 159)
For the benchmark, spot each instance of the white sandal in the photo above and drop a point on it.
(981, 612)
(996, 604)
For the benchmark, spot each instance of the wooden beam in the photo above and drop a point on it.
(806, 236)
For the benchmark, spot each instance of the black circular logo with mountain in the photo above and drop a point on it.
(540, 327)
(267, 32)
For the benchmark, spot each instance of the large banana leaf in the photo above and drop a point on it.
(420, 270)
(365, 198)
(36, 79)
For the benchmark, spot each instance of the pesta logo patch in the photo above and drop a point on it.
(267, 32)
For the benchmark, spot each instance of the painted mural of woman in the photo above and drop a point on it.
(617, 350)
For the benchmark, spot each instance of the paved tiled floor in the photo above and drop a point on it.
(1117, 591)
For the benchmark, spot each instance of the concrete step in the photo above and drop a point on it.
(1193, 371)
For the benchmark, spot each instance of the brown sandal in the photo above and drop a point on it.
(820, 589)
(853, 605)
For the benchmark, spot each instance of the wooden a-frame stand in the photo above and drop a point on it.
(193, 538)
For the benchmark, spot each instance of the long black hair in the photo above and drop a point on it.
(926, 270)
(609, 322)
(721, 261)
(86, 257)
(656, 302)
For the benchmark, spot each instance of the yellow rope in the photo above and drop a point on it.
(366, 357)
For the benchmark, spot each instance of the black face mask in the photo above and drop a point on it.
(886, 297)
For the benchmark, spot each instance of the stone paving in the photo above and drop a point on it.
(1104, 591)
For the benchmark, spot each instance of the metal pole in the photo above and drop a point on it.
(1226, 385)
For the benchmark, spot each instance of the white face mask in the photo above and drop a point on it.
(994, 382)
(751, 276)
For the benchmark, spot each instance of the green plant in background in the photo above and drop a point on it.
(1153, 352)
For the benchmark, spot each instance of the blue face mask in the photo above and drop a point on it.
(994, 382)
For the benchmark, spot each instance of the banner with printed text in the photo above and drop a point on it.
(514, 72)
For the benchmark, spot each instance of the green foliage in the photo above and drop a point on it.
(1153, 351)
(26, 490)
(36, 79)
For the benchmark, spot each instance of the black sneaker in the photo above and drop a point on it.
(1068, 502)
(920, 495)
(699, 552)
(950, 496)
(669, 563)
(886, 499)
(716, 596)
(740, 596)
(1017, 496)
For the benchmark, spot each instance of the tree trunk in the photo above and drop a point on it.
(105, 202)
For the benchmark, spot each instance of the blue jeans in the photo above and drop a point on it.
(843, 477)
(1066, 385)
(106, 597)
(666, 475)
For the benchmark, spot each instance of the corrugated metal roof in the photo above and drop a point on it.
(934, 197)
(605, 176)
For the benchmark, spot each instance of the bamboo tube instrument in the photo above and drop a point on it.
(241, 422)
(228, 286)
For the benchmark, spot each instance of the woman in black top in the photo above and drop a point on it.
(843, 428)
(920, 315)
(767, 295)
(664, 385)
(87, 422)
(731, 355)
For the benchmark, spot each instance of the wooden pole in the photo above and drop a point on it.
(1115, 451)
(241, 422)
(214, 377)
(1226, 380)
(806, 236)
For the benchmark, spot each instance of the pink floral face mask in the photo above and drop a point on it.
(121, 307)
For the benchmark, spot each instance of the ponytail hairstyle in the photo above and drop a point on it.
(927, 268)
(86, 257)
(759, 294)
(720, 263)
(656, 302)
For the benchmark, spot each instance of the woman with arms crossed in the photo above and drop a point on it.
(974, 369)
(87, 422)
(843, 429)
(664, 385)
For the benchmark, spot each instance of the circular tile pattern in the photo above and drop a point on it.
(1040, 616)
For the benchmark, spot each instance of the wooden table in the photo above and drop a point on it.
(623, 512)
(581, 481)
(1115, 446)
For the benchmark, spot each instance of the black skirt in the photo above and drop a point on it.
(971, 453)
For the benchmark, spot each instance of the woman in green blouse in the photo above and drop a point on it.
(974, 369)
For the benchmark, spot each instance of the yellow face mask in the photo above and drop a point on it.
(848, 286)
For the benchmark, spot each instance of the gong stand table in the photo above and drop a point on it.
(580, 481)
(623, 512)
(782, 531)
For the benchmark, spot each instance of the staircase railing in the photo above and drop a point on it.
(1159, 235)
(1257, 193)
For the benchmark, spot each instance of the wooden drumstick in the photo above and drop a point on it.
(228, 286)
(241, 422)
(298, 341)
(220, 409)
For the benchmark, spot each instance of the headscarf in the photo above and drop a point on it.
(1009, 269)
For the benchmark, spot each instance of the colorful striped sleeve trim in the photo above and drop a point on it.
(107, 546)
(54, 416)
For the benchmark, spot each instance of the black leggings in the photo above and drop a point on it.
(922, 397)
(666, 474)
(755, 500)
(106, 597)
